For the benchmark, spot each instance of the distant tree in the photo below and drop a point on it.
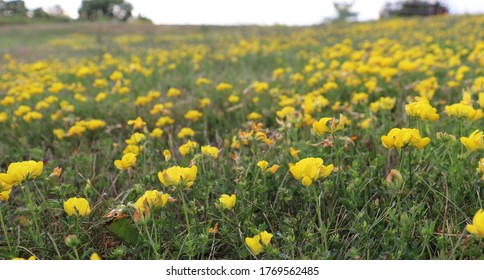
(113, 9)
(413, 8)
(13, 8)
(343, 10)
(141, 18)
(40, 13)
(57, 12)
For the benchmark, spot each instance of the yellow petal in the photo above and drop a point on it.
(306, 181)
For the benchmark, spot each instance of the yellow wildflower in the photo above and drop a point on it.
(193, 115)
(176, 175)
(398, 138)
(309, 170)
(477, 226)
(151, 199)
(188, 147)
(77, 206)
(138, 123)
(228, 202)
(95, 257)
(127, 161)
(186, 131)
(211, 151)
(257, 242)
(263, 165)
(474, 142)
(167, 155)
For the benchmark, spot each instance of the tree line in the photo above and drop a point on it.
(91, 10)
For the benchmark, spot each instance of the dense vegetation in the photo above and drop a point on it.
(348, 141)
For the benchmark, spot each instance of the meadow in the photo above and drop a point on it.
(342, 141)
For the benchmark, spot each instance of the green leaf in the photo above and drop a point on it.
(124, 231)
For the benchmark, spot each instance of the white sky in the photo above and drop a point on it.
(266, 12)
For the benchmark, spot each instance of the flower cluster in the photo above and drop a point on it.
(422, 109)
(257, 243)
(400, 138)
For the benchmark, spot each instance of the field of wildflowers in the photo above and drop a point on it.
(347, 141)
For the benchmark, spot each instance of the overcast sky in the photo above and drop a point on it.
(267, 12)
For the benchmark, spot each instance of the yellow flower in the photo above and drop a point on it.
(188, 147)
(214, 229)
(5, 194)
(176, 175)
(263, 137)
(294, 153)
(480, 167)
(399, 138)
(167, 155)
(233, 99)
(384, 103)
(94, 124)
(286, 112)
(477, 226)
(32, 116)
(204, 102)
(186, 131)
(365, 124)
(257, 242)
(266, 237)
(56, 172)
(263, 165)
(422, 109)
(273, 169)
(75, 130)
(151, 199)
(136, 138)
(22, 110)
(254, 244)
(228, 202)
(135, 149)
(20, 171)
(254, 116)
(31, 258)
(260, 86)
(116, 76)
(156, 133)
(210, 151)
(127, 161)
(3, 117)
(202, 81)
(309, 170)
(138, 123)
(360, 97)
(162, 121)
(173, 92)
(464, 111)
(95, 257)
(193, 115)
(223, 86)
(77, 206)
(474, 142)
(320, 126)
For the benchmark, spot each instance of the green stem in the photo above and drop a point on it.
(322, 227)
(152, 243)
(30, 206)
(4, 230)
(185, 210)
(76, 253)
(410, 168)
